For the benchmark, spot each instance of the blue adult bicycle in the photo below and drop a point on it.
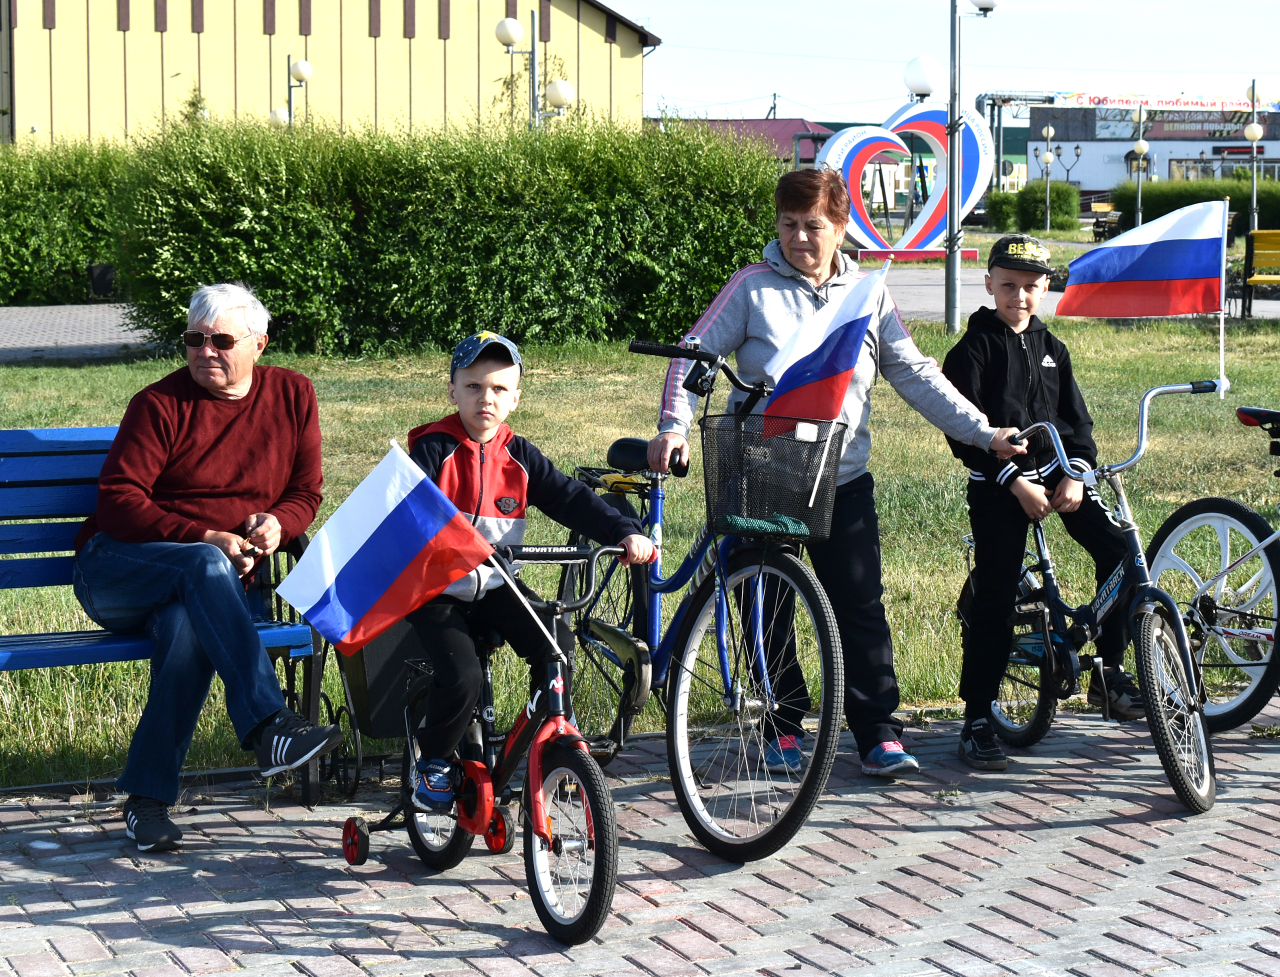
(748, 670)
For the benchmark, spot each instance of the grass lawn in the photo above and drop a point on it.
(68, 724)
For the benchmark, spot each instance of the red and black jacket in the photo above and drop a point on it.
(493, 483)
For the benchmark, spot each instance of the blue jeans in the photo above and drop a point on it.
(188, 599)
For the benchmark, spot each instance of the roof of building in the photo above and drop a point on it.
(777, 132)
(647, 37)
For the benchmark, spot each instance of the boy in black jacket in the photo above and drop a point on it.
(1016, 372)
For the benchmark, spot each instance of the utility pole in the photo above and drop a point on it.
(955, 235)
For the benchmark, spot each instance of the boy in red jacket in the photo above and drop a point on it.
(491, 475)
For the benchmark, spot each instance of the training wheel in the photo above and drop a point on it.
(355, 841)
(501, 835)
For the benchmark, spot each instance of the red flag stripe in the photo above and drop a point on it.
(1122, 300)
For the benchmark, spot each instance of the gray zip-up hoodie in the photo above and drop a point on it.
(759, 309)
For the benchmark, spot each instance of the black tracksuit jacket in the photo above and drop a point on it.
(1017, 379)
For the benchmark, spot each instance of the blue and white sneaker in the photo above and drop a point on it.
(785, 754)
(433, 785)
(889, 758)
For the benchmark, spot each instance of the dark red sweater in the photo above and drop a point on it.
(185, 462)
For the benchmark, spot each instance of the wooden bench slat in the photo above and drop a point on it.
(38, 571)
(1264, 280)
(47, 501)
(43, 441)
(37, 537)
(51, 468)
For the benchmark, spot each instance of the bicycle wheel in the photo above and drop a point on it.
(1173, 714)
(1195, 544)
(737, 804)
(621, 600)
(572, 882)
(1025, 704)
(437, 839)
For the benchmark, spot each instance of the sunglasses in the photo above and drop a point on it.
(219, 340)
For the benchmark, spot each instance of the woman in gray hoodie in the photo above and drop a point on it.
(752, 318)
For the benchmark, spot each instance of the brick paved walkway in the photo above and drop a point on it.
(1077, 860)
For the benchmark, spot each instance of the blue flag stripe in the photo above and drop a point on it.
(838, 352)
(373, 568)
(1154, 262)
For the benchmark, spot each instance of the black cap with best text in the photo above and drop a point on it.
(1021, 252)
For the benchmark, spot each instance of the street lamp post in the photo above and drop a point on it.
(299, 75)
(1057, 151)
(1253, 132)
(1140, 147)
(1047, 132)
(559, 93)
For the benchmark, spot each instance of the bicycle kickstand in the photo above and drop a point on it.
(1102, 684)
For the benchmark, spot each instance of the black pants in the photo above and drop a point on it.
(848, 567)
(1000, 540)
(446, 626)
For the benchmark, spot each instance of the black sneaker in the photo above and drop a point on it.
(1124, 697)
(147, 822)
(289, 741)
(978, 746)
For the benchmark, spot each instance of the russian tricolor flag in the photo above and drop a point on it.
(1174, 265)
(814, 367)
(394, 544)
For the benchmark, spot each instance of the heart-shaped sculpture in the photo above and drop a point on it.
(851, 150)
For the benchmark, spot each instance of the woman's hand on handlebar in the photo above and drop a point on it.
(660, 449)
(639, 549)
(1000, 444)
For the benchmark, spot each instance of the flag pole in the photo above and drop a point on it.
(1223, 385)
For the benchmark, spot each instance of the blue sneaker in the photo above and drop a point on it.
(433, 785)
(784, 754)
(887, 759)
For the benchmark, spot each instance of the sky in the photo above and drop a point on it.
(842, 60)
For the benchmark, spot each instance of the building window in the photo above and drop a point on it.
(197, 16)
(122, 15)
(375, 18)
(304, 17)
(269, 17)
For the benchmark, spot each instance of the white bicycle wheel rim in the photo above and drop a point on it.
(583, 869)
(1186, 731)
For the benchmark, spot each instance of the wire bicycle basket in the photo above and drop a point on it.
(768, 476)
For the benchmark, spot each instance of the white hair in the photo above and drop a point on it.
(210, 302)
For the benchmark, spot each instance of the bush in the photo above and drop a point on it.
(57, 214)
(369, 241)
(1002, 210)
(1164, 197)
(1064, 200)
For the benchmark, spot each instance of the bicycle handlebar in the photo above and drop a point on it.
(562, 555)
(759, 390)
(1192, 387)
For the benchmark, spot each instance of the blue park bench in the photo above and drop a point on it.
(48, 485)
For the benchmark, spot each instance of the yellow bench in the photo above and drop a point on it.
(1262, 250)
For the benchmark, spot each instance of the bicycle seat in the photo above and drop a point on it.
(629, 454)
(488, 637)
(1258, 417)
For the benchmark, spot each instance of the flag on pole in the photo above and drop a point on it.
(394, 544)
(1172, 266)
(814, 366)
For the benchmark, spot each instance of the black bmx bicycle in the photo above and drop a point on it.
(570, 830)
(1045, 661)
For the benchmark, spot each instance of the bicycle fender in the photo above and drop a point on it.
(1150, 594)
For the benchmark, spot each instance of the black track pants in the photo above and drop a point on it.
(1000, 540)
(848, 567)
(446, 626)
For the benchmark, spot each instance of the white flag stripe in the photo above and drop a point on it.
(860, 300)
(349, 527)
(1189, 223)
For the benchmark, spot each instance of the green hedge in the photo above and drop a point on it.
(1064, 199)
(1166, 196)
(364, 242)
(57, 210)
(1002, 211)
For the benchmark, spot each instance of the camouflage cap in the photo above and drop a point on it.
(465, 353)
(1021, 252)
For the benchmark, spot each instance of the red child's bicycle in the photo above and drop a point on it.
(570, 831)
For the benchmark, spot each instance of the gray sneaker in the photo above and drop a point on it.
(979, 749)
(147, 822)
(1124, 699)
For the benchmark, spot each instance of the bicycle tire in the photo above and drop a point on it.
(436, 838)
(572, 889)
(1173, 714)
(763, 808)
(1205, 537)
(1025, 704)
(596, 680)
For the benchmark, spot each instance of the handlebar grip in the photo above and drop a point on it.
(675, 467)
(670, 352)
(1204, 386)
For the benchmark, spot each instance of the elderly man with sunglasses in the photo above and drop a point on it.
(215, 467)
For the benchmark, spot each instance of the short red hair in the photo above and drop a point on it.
(823, 190)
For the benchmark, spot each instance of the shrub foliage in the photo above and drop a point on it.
(1164, 197)
(372, 241)
(1002, 211)
(1064, 199)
